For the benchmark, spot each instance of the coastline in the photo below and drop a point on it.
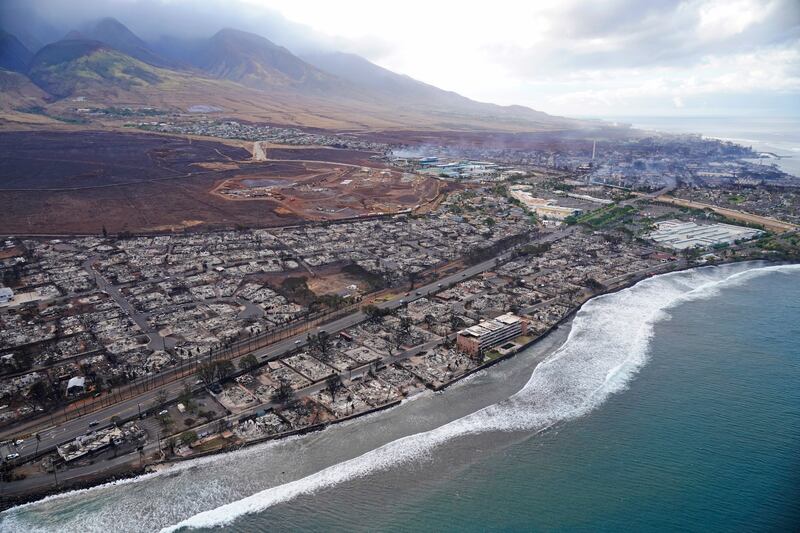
(121, 473)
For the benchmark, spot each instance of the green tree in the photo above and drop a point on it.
(188, 437)
(248, 361)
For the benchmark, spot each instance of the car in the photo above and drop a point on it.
(94, 423)
(18, 442)
(163, 412)
(439, 285)
(418, 293)
(11, 456)
(297, 342)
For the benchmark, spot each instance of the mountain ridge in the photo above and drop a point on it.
(108, 64)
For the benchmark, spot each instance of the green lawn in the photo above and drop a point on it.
(606, 216)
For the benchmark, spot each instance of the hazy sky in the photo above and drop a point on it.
(568, 57)
(598, 57)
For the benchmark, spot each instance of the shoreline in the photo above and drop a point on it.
(127, 471)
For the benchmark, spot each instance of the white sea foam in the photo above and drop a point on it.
(606, 347)
(607, 344)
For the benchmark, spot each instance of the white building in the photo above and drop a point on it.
(6, 295)
(490, 333)
(541, 206)
(680, 235)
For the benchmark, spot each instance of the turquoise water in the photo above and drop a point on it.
(670, 406)
(705, 438)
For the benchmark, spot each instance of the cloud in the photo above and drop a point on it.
(562, 56)
(150, 19)
(628, 34)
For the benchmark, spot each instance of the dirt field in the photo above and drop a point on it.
(323, 191)
(353, 157)
(62, 182)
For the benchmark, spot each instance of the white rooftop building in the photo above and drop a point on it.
(680, 235)
(6, 295)
(490, 333)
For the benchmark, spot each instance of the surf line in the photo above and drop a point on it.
(607, 345)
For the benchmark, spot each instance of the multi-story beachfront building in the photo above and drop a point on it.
(490, 333)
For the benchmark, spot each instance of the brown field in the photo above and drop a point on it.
(76, 182)
(321, 191)
(351, 157)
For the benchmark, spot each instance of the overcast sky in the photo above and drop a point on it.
(570, 57)
(567, 57)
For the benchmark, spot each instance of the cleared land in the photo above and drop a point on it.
(81, 181)
(323, 191)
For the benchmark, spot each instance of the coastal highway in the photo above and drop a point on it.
(130, 408)
(104, 463)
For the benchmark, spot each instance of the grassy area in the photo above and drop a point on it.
(605, 217)
(491, 355)
(783, 246)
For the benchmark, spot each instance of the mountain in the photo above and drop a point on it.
(358, 70)
(112, 32)
(403, 89)
(73, 65)
(17, 92)
(248, 76)
(13, 54)
(257, 62)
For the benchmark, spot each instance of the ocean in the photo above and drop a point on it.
(671, 405)
(779, 135)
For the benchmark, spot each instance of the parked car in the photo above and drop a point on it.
(18, 442)
(11, 456)
(162, 413)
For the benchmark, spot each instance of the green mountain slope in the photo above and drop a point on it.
(66, 67)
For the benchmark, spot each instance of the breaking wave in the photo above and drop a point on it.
(607, 345)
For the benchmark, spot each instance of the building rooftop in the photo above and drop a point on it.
(491, 325)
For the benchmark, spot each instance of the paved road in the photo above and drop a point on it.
(130, 408)
(156, 341)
